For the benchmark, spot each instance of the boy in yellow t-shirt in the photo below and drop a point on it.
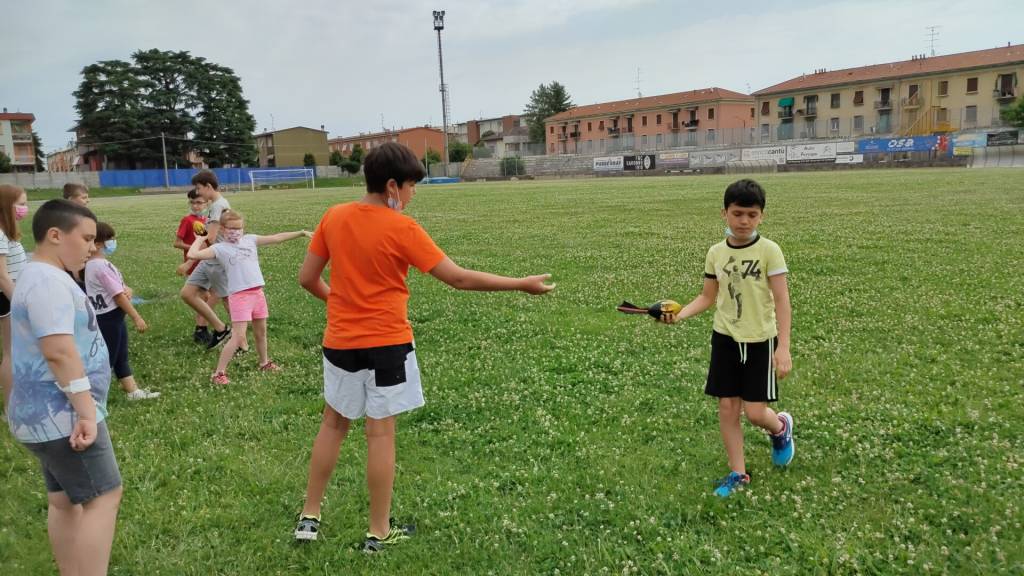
(745, 279)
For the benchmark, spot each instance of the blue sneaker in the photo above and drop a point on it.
(782, 445)
(731, 483)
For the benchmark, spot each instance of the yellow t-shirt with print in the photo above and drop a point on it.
(745, 307)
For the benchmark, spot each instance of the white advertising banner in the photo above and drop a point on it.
(811, 153)
(608, 164)
(775, 154)
(846, 147)
(850, 159)
(706, 158)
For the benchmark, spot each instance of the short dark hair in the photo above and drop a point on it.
(193, 194)
(58, 213)
(391, 161)
(104, 232)
(205, 177)
(72, 190)
(745, 193)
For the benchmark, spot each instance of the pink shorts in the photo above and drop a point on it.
(248, 305)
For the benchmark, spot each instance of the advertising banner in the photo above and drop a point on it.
(850, 159)
(638, 162)
(608, 164)
(775, 154)
(846, 147)
(811, 153)
(709, 158)
(1002, 138)
(674, 160)
(938, 144)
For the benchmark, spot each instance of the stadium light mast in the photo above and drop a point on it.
(439, 25)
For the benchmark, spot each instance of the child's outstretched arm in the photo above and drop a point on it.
(62, 357)
(282, 237)
(197, 252)
(310, 276)
(462, 279)
(124, 302)
(784, 320)
(703, 301)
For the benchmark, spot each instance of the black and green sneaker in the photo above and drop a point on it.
(308, 528)
(395, 535)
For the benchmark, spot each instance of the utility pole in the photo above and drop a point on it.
(163, 145)
(438, 26)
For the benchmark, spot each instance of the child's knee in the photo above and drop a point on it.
(730, 406)
(334, 420)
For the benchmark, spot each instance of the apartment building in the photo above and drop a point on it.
(16, 140)
(419, 139)
(288, 147)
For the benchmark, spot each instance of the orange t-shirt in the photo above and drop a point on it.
(370, 249)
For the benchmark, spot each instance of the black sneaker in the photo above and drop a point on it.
(308, 529)
(218, 336)
(396, 534)
(201, 336)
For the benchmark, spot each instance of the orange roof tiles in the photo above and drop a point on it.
(681, 99)
(892, 70)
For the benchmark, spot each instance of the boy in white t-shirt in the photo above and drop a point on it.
(237, 253)
(112, 300)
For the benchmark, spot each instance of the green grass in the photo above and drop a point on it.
(560, 437)
(51, 193)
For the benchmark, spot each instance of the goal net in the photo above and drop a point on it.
(284, 177)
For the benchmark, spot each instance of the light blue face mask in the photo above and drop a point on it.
(729, 234)
(110, 246)
(393, 204)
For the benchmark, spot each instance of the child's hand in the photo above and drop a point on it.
(83, 435)
(182, 269)
(669, 317)
(536, 285)
(307, 233)
(783, 362)
(140, 324)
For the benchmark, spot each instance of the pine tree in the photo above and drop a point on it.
(37, 143)
(545, 101)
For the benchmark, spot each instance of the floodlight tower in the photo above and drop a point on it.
(439, 25)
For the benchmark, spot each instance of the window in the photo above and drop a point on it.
(552, 129)
(972, 85)
(551, 148)
(602, 144)
(711, 113)
(833, 124)
(658, 141)
(643, 141)
(600, 125)
(590, 146)
(711, 133)
(766, 131)
(751, 111)
(971, 115)
(943, 115)
(858, 98)
(588, 127)
(912, 90)
(810, 129)
(657, 119)
(858, 123)
(943, 87)
(643, 120)
(835, 100)
(765, 109)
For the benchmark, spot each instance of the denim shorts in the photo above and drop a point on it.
(81, 475)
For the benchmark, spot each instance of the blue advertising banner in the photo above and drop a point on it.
(939, 144)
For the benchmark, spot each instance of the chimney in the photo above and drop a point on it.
(5, 109)
(322, 128)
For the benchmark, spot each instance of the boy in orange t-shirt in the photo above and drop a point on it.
(369, 357)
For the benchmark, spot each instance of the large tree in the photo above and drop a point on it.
(545, 101)
(1014, 114)
(197, 106)
(5, 163)
(37, 144)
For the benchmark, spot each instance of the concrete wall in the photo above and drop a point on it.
(30, 180)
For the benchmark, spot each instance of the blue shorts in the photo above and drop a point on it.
(81, 475)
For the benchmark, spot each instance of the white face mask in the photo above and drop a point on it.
(394, 205)
(729, 234)
(233, 235)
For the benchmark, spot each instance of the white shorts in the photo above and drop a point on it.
(374, 382)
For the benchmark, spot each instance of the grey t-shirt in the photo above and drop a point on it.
(216, 209)
(241, 263)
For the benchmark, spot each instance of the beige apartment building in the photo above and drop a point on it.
(923, 95)
(706, 117)
(287, 148)
(418, 139)
(16, 140)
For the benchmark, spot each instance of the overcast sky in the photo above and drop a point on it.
(344, 64)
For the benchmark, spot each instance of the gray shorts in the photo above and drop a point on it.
(210, 275)
(374, 382)
(81, 475)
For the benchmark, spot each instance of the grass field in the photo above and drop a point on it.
(560, 437)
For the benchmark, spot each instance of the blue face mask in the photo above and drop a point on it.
(729, 234)
(393, 204)
(109, 246)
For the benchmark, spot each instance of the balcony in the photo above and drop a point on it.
(21, 137)
(786, 114)
(911, 101)
(613, 131)
(810, 112)
(674, 126)
(563, 136)
(691, 124)
(1005, 94)
(23, 160)
(574, 134)
(883, 104)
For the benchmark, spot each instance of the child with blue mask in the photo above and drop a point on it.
(112, 300)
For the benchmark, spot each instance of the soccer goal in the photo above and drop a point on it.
(293, 177)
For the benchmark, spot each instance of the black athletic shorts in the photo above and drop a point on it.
(5, 306)
(743, 369)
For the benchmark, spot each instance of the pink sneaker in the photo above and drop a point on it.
(220, 378)
(270, 367)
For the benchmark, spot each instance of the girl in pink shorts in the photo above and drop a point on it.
(237, 252)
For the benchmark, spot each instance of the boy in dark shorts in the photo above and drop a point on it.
(745, 279)
(58, 402)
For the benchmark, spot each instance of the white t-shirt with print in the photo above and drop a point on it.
(103, 281)
(15, 254)
(241, 263)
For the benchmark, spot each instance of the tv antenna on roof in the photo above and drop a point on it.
(932, 35)
(638, 93)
